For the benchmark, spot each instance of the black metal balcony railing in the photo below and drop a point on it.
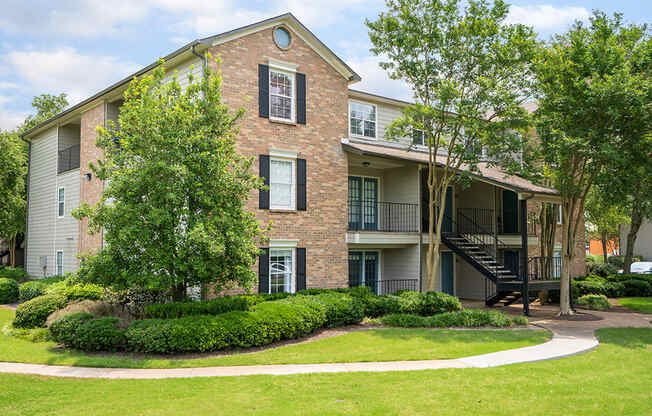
(544, 268)
(388, 287)
(369, 215)
(484, 217)
(68, 159)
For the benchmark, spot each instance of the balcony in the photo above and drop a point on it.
(484, 218)
(68, 159)
(391, 217)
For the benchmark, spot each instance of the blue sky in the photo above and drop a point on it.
(80, 47)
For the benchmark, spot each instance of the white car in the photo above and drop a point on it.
(641, 267)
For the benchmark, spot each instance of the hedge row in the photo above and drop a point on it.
(8, 290)
(466, 318)
(613, 286)
(265, 323)
(409, 302)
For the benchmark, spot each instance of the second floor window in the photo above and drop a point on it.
(281, 95)
(418, 137)
(362, 119)
(61, 205)
(282, 184)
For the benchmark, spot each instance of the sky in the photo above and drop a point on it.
(80, 47)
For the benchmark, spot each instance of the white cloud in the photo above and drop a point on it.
(9, 120)
(67, 70)
(7, 85)
(545, 17)
(375, 79)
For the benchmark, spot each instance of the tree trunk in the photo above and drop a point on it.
(637, 220)
(548, 222)
(12, 251)
(603, 239)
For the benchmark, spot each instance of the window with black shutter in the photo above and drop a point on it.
(263, 271)
(263, 91)
(301, 98)
(301, 184)
(301, 268)
(263, 172)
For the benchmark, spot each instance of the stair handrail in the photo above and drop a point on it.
(482, 230)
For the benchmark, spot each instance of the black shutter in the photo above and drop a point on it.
(263, 172)
(301, 268)
(263, 272)
(301, 184)
(301, 98)
(263, 91)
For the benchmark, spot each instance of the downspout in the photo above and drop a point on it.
(200, 56)
(29, 167)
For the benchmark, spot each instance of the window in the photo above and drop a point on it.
(282, 37)
(281, 270)
(61, 206)
(282, 184)
(281, 95)
(418, 137)
(59, 263)
(362, 119)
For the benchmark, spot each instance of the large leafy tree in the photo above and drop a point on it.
(173, 208)
(603, 217)
(13, 171)
(469, 71)
(588, 88)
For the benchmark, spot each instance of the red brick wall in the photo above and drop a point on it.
(322, 228)
(90, 191)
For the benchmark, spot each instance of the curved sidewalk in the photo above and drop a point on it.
(563, 344)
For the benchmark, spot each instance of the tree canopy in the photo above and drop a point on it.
(173, 207)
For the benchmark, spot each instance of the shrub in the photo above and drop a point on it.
(623, 277)
(409, 302)
(212, 307)
(16, 273)
(600, 269)
(598, 287)
(637, 288)
(30, 290)
(96, 308)
(75, 291)
(134, 300)
(619, 261)
(34, 313)
(101, 334)
(595, 302)
(64, 329)
(8, 290)
(463, 318)
(341, 309)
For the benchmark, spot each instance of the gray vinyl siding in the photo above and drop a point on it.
(192, 66)
(643, 243)
(67, 228)
(402, 184)
(385, 115)
(42, 203)
(469, 282)
(400, 263)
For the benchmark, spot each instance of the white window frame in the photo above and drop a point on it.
(292, 97)
(293, 186)
(375, 121)
(58, 264)
(560, 217)
(61, 205)
(290, 246)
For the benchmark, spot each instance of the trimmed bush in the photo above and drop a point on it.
(16, 273)
(75, 291)
(601, 269)
(34, 313)
(101, 334)
(468, 318)
(619, 261)
(212, 307)
(30, 290)
(598, 287)
(8, 290)
(637, 288)
(595, 302)
(409, 302)
(64, 329)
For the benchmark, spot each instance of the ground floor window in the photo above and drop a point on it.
(59, 263)
(281, 270)
(364, 269)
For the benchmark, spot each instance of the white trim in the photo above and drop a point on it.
(282, 153)
(293, 97)
(293, 186)
(60, 202)
(560, 216)
(283, 243)
(57, 264)
(362, 136)
(282, 66)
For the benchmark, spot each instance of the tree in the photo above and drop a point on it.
(13, 171)
(587, 88)
(173, 212)
(603, 217)
(468, 71)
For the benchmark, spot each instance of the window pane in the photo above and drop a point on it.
(281, 171)
(281, 107)
(59, 263)
(280, 270)
(61, 194)
(356, 126)
(369, 129)
(281, 195)
(281, 183)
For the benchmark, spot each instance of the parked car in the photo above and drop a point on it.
(642, 267)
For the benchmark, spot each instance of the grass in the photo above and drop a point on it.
(372, 345)
(614, 379)
(643, 305)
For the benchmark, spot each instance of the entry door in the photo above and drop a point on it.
(447, 274)
(363, 269)
(510, 212)
(363, 203)
(371, 270)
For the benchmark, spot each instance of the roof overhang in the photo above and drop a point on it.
(525, 188)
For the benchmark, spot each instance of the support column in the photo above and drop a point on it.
(524, 257)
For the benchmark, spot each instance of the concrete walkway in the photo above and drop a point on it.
(569, 338)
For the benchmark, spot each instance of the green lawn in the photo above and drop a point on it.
(614, 379)
(372, 345)
(643, 305)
